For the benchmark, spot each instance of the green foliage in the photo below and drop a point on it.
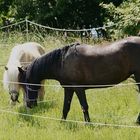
(4, 5)
(24, 8)
(124, 14)
(6, 10)
(57, 13)
(126, 18)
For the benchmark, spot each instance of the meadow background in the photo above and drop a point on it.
(116, 105)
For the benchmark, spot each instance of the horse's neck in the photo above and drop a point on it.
(49, 66)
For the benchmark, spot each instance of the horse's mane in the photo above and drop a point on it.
(49, 59)
(58, 53)
(54, 55)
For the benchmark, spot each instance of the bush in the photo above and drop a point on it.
(125, 17)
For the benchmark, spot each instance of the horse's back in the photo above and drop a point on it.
(134, 39)
(31, 51)
(32, 48)
(25, 52)
(102, 65)
(129, 45)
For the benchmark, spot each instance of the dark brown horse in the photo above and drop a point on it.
(81, 66)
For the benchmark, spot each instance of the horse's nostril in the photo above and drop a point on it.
(14, 97)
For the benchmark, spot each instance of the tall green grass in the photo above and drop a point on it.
(116, 105)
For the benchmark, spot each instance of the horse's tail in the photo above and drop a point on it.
(41, 50)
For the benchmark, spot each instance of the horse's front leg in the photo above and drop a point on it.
(41, 91)
(24, 97)
(68, 94)
(83, 101)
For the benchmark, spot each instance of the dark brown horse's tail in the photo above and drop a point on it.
(41, 50)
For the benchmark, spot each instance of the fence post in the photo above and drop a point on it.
(27, 29)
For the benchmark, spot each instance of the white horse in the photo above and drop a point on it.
(21, 55)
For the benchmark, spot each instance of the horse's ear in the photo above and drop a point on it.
(20, 70)
(6, 68)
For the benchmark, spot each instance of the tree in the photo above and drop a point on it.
(125, 17)
(5, 10)
(59, 13)
(72, 13)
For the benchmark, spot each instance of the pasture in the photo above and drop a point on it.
(113, 111)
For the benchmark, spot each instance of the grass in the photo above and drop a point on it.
(116, 105)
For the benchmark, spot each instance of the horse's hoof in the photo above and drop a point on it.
(138, 120)
(62, 120)
(88, 124)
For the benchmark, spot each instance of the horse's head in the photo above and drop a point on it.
(11, 83)
(31, 91)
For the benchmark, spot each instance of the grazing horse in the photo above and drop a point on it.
(81, 66)
(21, 55)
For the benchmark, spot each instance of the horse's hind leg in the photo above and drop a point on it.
(68, 94)
(83, 101)
(137, 79)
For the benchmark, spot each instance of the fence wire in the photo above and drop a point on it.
(72, 121)
(27, 27)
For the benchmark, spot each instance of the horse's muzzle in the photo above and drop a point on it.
(14, 96)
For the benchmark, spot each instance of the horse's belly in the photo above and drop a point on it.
(101, 77)
(104, 78)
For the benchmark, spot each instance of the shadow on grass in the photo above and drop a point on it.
(39, 109)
